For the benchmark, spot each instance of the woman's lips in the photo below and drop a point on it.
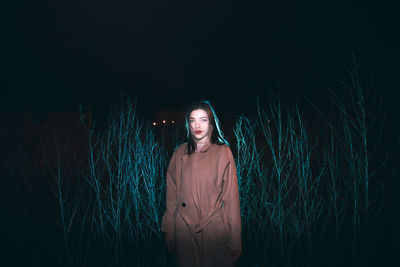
(197, 132)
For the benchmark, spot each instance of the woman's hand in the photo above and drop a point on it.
(169, 239)
(235, 255)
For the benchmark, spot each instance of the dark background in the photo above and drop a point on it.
(59, 54)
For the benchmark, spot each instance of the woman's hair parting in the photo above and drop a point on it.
(217, 135)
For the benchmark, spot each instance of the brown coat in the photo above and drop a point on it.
(202, 206)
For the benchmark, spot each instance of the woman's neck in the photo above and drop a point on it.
(200, 145)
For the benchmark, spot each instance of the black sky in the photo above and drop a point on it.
(58, 54)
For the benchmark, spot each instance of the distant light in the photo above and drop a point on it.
(269, 121)
(173, 121)
(154, 124)
(163, 121)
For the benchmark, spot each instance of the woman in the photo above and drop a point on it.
(202, 218)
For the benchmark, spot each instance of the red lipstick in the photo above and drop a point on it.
(197, 132)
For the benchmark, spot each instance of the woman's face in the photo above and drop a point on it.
(199, 125)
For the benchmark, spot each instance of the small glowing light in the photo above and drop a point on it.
(154, 124)
(163, 121)
(173, 121)
(269, 121)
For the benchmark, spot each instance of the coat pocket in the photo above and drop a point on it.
(219, 231)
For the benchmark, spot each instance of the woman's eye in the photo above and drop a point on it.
(204, 120)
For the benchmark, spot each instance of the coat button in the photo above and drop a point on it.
(183, 204)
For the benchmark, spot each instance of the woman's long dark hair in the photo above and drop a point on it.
(217, 137)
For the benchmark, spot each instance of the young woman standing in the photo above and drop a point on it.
(202, 222)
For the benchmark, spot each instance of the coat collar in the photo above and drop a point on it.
(203, 149)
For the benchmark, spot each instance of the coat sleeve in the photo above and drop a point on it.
(168, 219)
(232, 203)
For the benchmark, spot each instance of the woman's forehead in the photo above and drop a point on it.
(198, 113)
